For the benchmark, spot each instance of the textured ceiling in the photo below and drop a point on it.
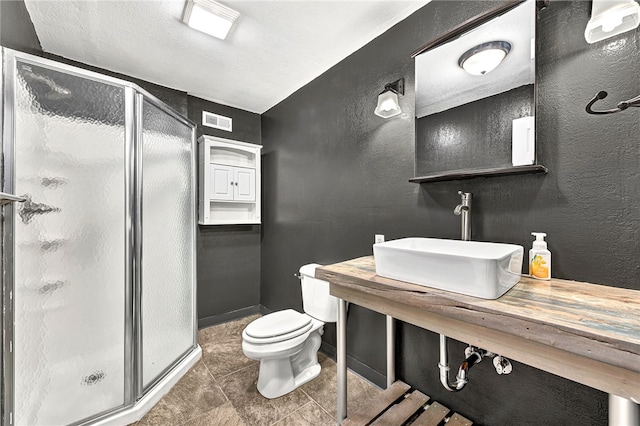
(275, 47)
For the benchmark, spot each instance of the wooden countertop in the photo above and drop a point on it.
(585, 332)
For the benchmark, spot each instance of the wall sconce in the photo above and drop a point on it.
(610, 18)
(388, 105)
(484, 57)
(210, 17)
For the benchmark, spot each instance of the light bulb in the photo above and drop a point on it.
(484, 62)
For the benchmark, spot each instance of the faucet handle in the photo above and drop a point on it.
(465, 196)
(459, 208)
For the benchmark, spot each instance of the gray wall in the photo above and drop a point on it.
(228, 256)
(16, 29)
(482, 136)
(335, 174)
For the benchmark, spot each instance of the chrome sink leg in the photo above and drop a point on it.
(391, 350)
(341, 355)
(623, 411)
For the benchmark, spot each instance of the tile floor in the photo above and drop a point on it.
(221, 390)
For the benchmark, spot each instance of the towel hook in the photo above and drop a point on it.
(634, 102)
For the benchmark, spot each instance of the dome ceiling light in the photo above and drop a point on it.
(484, 57)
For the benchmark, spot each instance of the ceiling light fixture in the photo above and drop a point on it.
(210, 17)
(484, 57)
(388, 104)
(610, 18)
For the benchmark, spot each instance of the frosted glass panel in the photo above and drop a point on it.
(167, 242)
(69, 247)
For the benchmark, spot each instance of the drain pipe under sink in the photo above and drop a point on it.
(473, 358)
(473, 355)
(464, 211)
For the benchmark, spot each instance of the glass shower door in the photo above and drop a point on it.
(69, 243)
(168, 238)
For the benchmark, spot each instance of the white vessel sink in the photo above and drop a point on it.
(485, 270)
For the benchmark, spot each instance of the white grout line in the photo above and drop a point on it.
(323, 409)
(294, 411)
(238, 370)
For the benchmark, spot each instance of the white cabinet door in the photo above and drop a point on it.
(222, 182)
(245, 184)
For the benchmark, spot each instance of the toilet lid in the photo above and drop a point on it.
(279, 323)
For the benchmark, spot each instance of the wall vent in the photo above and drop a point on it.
(216, 121)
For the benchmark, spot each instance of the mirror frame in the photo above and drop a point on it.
(454, 32)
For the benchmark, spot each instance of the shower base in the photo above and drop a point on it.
(143, 405)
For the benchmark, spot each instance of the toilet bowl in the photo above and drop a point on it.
(286, 342)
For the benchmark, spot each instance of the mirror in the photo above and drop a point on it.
(478, 119)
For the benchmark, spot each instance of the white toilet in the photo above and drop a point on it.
(286, 342)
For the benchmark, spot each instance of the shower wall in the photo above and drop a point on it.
(101, 256)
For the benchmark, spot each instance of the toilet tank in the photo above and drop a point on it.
(316, 300)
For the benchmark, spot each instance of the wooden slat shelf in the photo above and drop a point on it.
(584, 332)
(398, 405)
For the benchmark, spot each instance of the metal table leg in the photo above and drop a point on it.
(341, 355)
(623, 411)
(391, 351)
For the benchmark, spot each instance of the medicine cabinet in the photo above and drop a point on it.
(478, 122)
(229, 184)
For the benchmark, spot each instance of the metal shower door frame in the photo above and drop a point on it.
(134, 96)
(140, 97)
(6, 410)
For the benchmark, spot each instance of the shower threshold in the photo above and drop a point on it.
(137, 411)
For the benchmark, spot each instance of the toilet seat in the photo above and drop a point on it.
(277, 327)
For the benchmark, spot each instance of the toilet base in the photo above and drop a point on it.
(278, 377)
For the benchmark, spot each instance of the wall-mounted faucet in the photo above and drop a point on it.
(464, 211)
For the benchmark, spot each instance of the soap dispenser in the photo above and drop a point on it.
(540, 258)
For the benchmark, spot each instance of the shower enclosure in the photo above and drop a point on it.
(98, 246)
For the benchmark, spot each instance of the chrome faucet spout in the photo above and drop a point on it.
(464, 211)
(459, 209)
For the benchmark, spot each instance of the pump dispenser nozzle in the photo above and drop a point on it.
(539, 243)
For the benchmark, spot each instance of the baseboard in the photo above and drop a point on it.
(230, 316)
(265, 311)
(361, 369)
